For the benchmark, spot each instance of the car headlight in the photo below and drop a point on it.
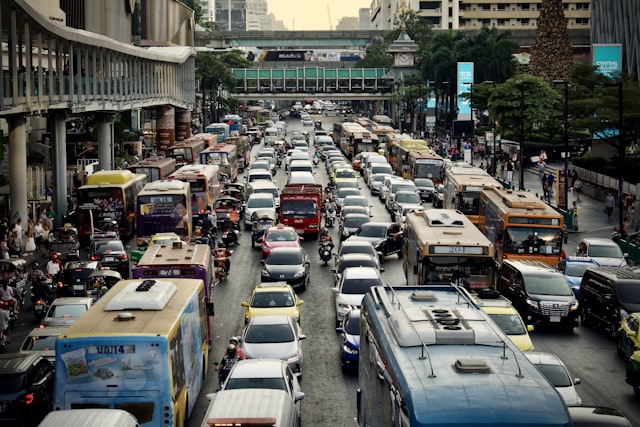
(623, 313)
(292, 358)
(345, 232)
(533, 304)
(345, 307)
(574, 306)
(299, 273)
(265, 273)
(349, 350)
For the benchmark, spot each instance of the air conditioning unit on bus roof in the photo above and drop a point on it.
(142, 295)
(522, 200)
(444, 218)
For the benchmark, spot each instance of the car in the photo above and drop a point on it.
(603, 251)
(74, 275)
(274, 337)
(573, 269)
(395, 187)
(354, 260)
(358, 200)
(301, 178)
(255, 202)
(384, 188)
(344, 174)
(307, 121)
(597, 416)
(352, 210)
(349, 332)
(272, 298)
(64, 311)
(357, 247)
(26, 388)
(112, 254)
(386, 237)
(344, 192)
(290, 265)
(300, 166)
(437, 200)
(628, 335)
(265, 187)
(558, 375)
(295, 154)
(264, 165)
(279, 236)
(502, 312)
(351, 222)
(259, 175)
(265, 374)
(375, 182)
(354, 283)
(404, 197)
(400, 214)
(425, 188)
(42, 340)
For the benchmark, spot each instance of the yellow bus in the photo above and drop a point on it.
(442, 246)
(143, 347)
(522, 226)
(204, 181)
(154, 167)
(109, 194)
(463, 184)
(353, 138)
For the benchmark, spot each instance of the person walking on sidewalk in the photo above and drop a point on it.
(574, 213)
(609, 204)
(577, 187)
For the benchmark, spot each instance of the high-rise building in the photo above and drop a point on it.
(475, 14)
(231, 15)
(348, 23)
(616, 22)
(364, 16)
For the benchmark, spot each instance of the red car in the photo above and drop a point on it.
(278, 237)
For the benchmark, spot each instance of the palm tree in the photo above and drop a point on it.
(492, 53)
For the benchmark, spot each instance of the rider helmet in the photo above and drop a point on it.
(54, 257)
(231, 350)
(234, 340)
(36, 265)
(104, 289)
(199, 222)
(221, 245)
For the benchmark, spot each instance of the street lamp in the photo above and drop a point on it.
(566, 141)
(621, 154)
(521, 138)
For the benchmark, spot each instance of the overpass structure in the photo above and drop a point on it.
(49, 69)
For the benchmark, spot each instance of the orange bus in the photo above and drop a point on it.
(155, 168)
(186, 152)
(204, 185)
(223, 155)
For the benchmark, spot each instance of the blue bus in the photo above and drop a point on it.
(431, 357)
(221, 130)
(234, 121)
(143, 347)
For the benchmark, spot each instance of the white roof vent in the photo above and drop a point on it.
(142, 295)
(444, 218)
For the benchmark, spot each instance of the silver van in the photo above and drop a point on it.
(93, 417)
(262, 186)
(243, 404)
(270, 136)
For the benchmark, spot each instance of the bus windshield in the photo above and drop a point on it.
(454, 269)
(428, 170)
(163, 213)
(530, 240)
(469, 203)
(106, 202)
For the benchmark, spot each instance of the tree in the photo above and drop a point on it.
(377, 57)
(491, 52)
(551, 53)
(197, 10)
(540, 109)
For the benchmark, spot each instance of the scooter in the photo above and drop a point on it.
(316, 160)
(230, 237)
(8, 306)
(330, 218)
(40, 308)
(221, 271)
(324, 250)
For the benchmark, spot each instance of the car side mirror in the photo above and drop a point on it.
(530, 328)
(340, 330)
(576, 381)
(262, 262)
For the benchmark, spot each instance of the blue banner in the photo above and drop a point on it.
(465, 84)
(608, 59)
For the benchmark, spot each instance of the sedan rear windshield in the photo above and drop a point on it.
(359, 286)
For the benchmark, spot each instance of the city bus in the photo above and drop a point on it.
(398, 148)
(204, 184)
(186, 152)
(353, 138)
(180, 260)
(154, 167)
(382, 120)
(221, 130)
(522, 226)
(263, 116)
(463, 184)
(208, 138)
(430, 357)
(223, 155)
(161, 207)
(425, 164)
(234, 121)
(243, 147)
(109, 195)
(385, 135)
(143, 347)
(443, 246)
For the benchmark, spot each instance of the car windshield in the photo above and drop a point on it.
(11, 383)
(109, 247)
(255, 177)
(281, 236)
(344, 192)
(37, 343)
(353, 326)
(357, 249)
(379, 178)
(268, 334)
(354, 221)
(606, 251)
(262, 383)
(272, 299)
(359, 286)
(356, 201)
(509, 323)
(346, 184)
(260, 202)
(547, 284)
(345, 174)
(408, 198)
(423, 182)
(372, 231)
(260, 165)
(284, 258)
(628, 293)
(67, 310)
(355, 263)
(556, 374)
(577, 269)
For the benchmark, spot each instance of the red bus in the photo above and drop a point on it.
(155, 168)
(186, 152)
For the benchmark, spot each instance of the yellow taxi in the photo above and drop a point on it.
(164, 239)
(343, 173)
(506, 317)
(274, 298)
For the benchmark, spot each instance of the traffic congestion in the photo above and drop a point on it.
(274, 239)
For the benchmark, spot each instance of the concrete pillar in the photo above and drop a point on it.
(105, 140)
(165, 128)
(59, 163)
(18, 168)
(183, 125)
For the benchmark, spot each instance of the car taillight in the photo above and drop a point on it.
(94, 258)
(28, 398)
(125, 256)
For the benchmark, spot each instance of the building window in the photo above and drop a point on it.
(524, 21)
(501, 7)
(486, 22)
(582, 21)
(486, 7)
(582, 6)
(524, 6)
(501, 22)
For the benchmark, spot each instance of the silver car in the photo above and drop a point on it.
(274, 337)
(558, 375)
(64, 311)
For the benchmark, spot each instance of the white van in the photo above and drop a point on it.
(261, 186)
(232, 407)
(300, 166)
(270, 136)
(93, 417)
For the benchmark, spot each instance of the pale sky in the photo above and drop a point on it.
(304, 15)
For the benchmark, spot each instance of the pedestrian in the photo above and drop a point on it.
(609, 204)
(4, 247)
(15, 244)
(541, 165)
(551, 180)
(31, 241)
(37, 232)
(510, 168)
(631, 214)
(574, 177)
(574, 213)
(628, 202)
(545, 190)
(46, 232)
(577, 187)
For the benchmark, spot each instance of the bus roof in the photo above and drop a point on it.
(153, 312)
(111, 177)
(221, 147)
(154, 161)
(472, 177)
(190, 142)
(455, 375)
(164, 185)
(178, 254)
(518, 202)
(194, 170)
(446, 227)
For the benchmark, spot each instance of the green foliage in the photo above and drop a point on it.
(213, 69)
(551, 53)
(197, 9)
(377, 57)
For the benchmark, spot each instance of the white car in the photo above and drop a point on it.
(558, 375)
(64, 311)
(603, 251)
(258, 201)
(354, 283)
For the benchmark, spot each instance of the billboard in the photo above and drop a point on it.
(608, 59)
(464, 85)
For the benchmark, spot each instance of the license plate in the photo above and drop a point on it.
(38, 307)
(555, 319)
(78, 287)
(299, 230)
(108, 259)
(298, 221)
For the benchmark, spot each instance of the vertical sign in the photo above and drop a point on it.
(608, 59)
(465, 82)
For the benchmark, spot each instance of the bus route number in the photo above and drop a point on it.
(111, 349)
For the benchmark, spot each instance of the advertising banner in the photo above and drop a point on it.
(608, 59)
(465, 82)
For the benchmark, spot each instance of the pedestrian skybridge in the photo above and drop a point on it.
(313, 83)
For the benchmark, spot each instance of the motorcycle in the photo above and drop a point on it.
(230, 237)
(8, 306)
(330, 218)
(279, 162)
(221, 270)
(40, 308)
(324, 250)
(316, 160)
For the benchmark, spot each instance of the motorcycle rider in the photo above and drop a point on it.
(229, 226)
(221, 256)
(230, 357)
(5, 326)
(199, 232)
(7, 293)
(41, 289)
(54, 267)
(325, 239)
(330, 210)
